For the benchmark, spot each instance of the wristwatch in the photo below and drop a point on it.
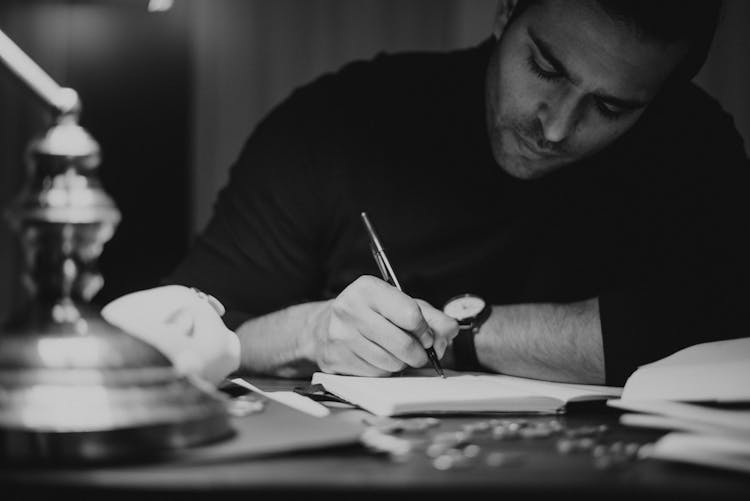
(471, 311)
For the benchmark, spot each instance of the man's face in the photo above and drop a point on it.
(564, 81)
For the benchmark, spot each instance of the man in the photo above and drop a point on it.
(565, 171)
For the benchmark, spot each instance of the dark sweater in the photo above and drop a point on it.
(654, 225)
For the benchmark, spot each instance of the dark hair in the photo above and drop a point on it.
(668, 21)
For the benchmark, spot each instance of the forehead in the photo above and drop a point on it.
(603, 52)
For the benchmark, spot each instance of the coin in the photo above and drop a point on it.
(498, 459)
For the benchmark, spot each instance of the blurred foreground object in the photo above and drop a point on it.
(182, 323)
(74, 388)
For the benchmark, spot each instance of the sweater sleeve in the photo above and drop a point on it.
(259, 251)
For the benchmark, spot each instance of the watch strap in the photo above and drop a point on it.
(464, 350)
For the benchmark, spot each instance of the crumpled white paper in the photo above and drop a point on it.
(181, 324)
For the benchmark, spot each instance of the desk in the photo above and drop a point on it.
(354, 472)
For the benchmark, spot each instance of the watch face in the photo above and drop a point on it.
(463, 307)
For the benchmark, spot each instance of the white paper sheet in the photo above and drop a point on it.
(290, 398)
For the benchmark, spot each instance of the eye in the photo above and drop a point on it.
(543, 71)
(609, 111)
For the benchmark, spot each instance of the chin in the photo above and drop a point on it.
(523, 168)
(519, 168)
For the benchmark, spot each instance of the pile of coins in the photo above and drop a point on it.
(475, 443)
(606, 454)
(394, 426)
(449, 450)
(380, 435)
(615, 454)
(398, 449)
(505, 429)
(458, 449)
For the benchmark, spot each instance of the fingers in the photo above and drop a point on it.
(444, 328)
(385, 316)
(341, 360)
(375, 329)
(198, 343)
(185, 327)
(346, 334)
(380, 339)
(416, 317)
(181, 321)
(401, 310)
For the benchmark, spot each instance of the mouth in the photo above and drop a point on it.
(529, 150)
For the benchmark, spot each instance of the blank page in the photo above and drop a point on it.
(397, 395)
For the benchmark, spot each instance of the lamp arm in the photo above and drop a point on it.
(62, 100)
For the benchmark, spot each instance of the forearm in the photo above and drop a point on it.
(279, 343)
(556, 342)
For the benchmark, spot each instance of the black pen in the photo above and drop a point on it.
(389, 276)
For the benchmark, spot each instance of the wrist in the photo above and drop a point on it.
(315, 327)
(471, 311)
(234, 352)
(465, 352)
(481, 345)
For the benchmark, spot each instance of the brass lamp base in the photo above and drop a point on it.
(74, 388)
(100, 395)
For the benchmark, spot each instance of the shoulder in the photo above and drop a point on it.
(328, 125)
(339, 110)
(688, 151)
(692, 118)
(366, 104)
(686, 134)
(704, 111)
(382, 82)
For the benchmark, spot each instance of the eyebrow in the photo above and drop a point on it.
(548, 54)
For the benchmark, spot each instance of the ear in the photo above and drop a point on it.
(503, 13)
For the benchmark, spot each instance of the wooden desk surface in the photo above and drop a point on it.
(539, 471)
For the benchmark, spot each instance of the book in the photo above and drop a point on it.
(665, 414)
(702, 388)
(701, 396)
(459, 393)
(715, 451)
(708, 372)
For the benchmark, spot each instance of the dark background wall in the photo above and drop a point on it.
(171, 96)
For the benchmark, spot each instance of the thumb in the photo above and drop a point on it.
(443, 327)
(214, 349)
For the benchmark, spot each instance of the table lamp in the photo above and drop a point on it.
(74, 388)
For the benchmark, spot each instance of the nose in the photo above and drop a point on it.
(558, 116)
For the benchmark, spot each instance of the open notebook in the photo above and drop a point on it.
(458, 393)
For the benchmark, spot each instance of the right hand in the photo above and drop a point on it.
(373, 329)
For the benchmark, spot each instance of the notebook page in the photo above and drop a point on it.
(707, 450)
(681, 424)
(564, 391)
(729, 419)
(715, 352)
(411, 394)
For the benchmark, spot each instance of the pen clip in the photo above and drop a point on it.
(381, 265)
(383, 262)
